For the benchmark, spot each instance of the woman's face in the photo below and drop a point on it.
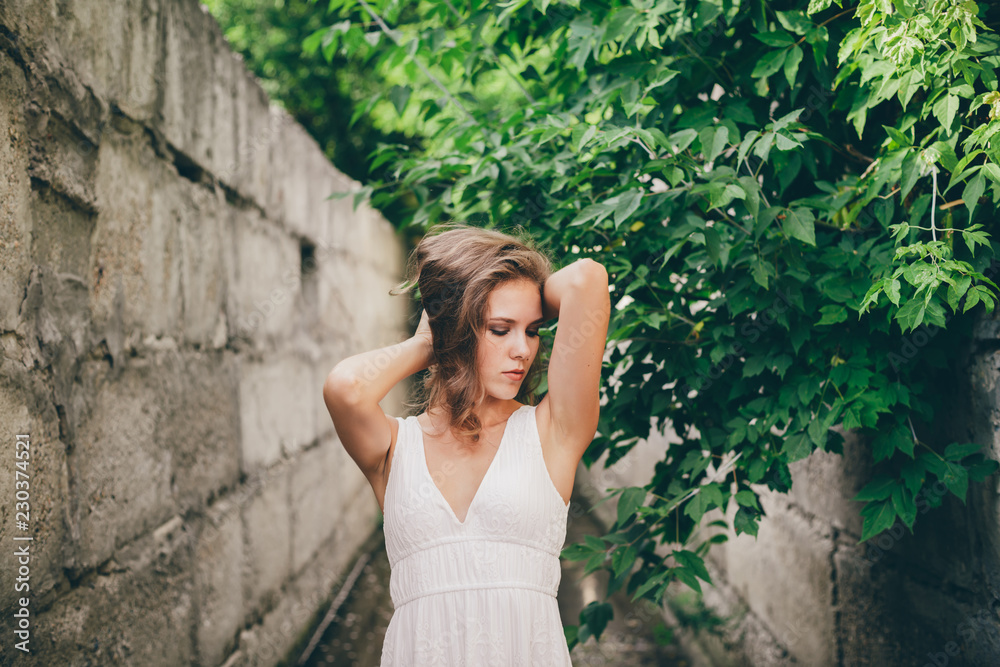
(510, 341)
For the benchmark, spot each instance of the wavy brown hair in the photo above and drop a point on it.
(455, 267)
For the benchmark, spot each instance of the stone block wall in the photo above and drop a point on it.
(174, 289)
(805, 591)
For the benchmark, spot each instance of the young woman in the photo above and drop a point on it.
(475, 490)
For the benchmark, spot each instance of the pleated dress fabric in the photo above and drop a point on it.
(478, 593)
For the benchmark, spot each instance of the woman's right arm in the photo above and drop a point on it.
(353, 389)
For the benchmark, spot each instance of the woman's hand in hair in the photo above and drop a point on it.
(424, 332)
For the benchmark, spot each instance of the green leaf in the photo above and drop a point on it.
(713, 494)
(901, 139)
(755, 365)
(877, 489)
(745, 521)
(748, 139)
(785, 142)
(769, 64)
(956, 478)
(800, 223)
(978, 472)
(816, 6)
(817, 433)
(747, 498)
(626, 206)
(712, 243)
(686, 576)
(631, 499)
(892, 291)
(648, 585)
(399, 96)
(779, 38)
(832, 314)
(696, 507)
(630, 97)
(623, 559)
(595, 212)
(912, 170)
(786, 120)
(957, 451)
(945, 109)
(596, 616)
(797, 447)
(792, 66)
(971, 300)
(595, 563)
(879, 516)
(884, 445)
(913, 476)
(582, 134)
(911, 314)
(693, 562)
(682, 139)
(761, 270)
(904, 505)
(713, 141)
(973, 191)
(796, 21)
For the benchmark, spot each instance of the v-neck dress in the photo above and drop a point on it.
(478, 593)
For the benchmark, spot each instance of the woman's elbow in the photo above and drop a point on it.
(340, 389)
(591, 272)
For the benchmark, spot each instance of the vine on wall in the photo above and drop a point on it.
(790, 198)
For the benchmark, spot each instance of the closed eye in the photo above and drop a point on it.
(504, 332)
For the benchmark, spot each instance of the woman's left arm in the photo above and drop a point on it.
(578, 296)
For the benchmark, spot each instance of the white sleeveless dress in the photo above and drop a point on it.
(480, 593)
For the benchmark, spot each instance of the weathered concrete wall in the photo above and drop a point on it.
(806, 592)
(174, 288)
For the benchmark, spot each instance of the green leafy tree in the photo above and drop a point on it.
(318, 92)
(790, 198)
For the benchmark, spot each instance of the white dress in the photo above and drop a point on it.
(480, 593)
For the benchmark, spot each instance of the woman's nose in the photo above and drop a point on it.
(521, 348)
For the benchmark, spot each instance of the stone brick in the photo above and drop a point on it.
(137, 609)
(786, 576)
(316, 500)
(268, 527)
(136, 253)
(121, 474)
(249, 170)
(277, 414)
(92, 37)
(136, 88)
(15, 238)
(262, 275)
(896, 616)
(26, 409)
(203, 234)
(194, 120)
(63, 156)
(295, 201)
(55, 329)
(60, 234)
(219, 567)
(824, 483)
(309, 592)
(200, 427)
(338, 282)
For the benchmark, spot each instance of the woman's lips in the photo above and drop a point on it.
(515, 375)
